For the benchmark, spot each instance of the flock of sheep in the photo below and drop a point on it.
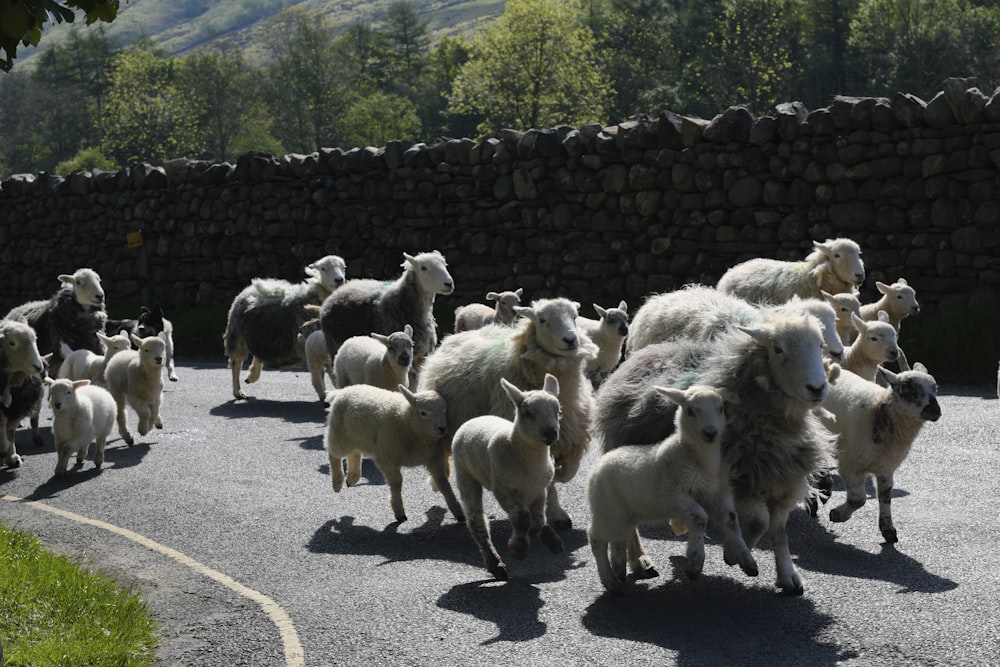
(718, 408)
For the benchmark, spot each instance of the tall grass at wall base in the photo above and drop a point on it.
(959, 347)
(55, 612)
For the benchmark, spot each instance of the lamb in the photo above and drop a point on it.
(845, 305)
(318, 362)
(81, 413)
(875, 344)
(608, 332)
(511, 459)
(264, 319)
(875, 428)
(365, 305)
(85, 365)
(381, 361)
(73, 315)
(396, 429)
(135, 377)
(21, 367)
(698, 312)
(477, 315)
(681, 479)
(833, 266)
(899, 301)
(774, 442)
(149, 323)
(467, 367)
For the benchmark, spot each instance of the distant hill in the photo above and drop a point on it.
(187, 26)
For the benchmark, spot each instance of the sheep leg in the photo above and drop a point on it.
(33, 420)
(256, 366)
(548, 535)
(618, 559)
(316, 373)
(236, 365)
(696, 519)
(884, 485)
(472, 498)
(856, 496)
(610, 582)
(7, 448)
(788, 579)
(354, 467)
(438, 469)
(63, 451)
(639, 562)
(520, 522)
(145, 418)
(99, 451)
(122, 425)
(734, 549)
(336, 470)
(753, 521)
(554, 513)
(394, 478)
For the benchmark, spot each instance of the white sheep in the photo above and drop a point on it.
(150, 322)
(265, 318)
(21, 367)
(681, 479)
(396, 429)
(608, 333)
(318, 362)
(82, 413)
(875, 428)
(135, 377)
(381, 361)
(899, 301)
(845, 304)
(467, 367)
(73, 315)
(365, 305)
(85, 365)
(511, 459)
(833, 266)
(874, 345)
(477, 315)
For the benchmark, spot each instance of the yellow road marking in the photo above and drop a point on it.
(294, 656)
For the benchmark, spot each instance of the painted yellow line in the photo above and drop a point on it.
(294, 656)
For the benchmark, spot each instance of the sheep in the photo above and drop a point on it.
(875, 344)
(73, 315)
(875, 428)
(149, 323)
(318, 362)
(396, 429)
(608, 332)
(265, 317)
(381, 361)
(135, 377)
(477, 315)
(698, 312)
(774, 443)
(899, 301)
(511, 459)
(845, 304)
(81, 413)
(833, 266)
(366, 305)
(26, 401)
(85, 365)
(21, 368)
(467, 367)
(681, 479)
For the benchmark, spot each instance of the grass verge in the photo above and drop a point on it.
(55, 612)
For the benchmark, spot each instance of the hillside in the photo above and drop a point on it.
(187, 26)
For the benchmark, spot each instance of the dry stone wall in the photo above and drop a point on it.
(594, 213)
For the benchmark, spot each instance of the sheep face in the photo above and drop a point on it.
(330, 272)
(902, 297)
(701, 411)
(86, 287)
(20, 348)
(844, 305)
(431, 271)
(431, 408)
(614, 320)
(115, 344)
(152, 350)
(554, 321)
(794, 349)
(827, 317)
(844, 256)
(399, 346)
(915, 391)
(537, 413)
(878, 339)
(506, 303)
(62, 393)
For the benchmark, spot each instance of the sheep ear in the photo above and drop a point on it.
(902, 281)
(891, 378)
(408, 259)
(882, 287)
(883, 316)
(829, 298)
(920, 368)
(492, 296)
(103, 337)
(66, 278)
(525, 311)
(758, 335)
(515, 394)
(601, 312)
(408, 330)
(519, 291)
(551, 384)
(622, 306)
(859, 323)
(380, 338)
(135, 339)
(48, 381)
(410, 396)
(675, 395)
(80, 383)
(729, 396)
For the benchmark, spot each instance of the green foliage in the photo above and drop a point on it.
(380, 118)
(533, 67)
(87, 159)
(21, 21)
(56, 612)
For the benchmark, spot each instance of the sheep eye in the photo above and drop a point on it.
(689, 412)
(778, 350)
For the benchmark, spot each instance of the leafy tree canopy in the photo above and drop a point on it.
(21, 21)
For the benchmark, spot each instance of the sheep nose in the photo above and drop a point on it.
(339, 281)
(817, 392)
(708, 434)
(932, 411)
(892, 355)
(159, 360)
(404, 360)
(38, 368)
(860, 277)
(549, 436)
(836, 356)
(623, 330)
(572, 342)
(916, 309)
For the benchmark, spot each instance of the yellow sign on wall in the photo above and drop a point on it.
(134, 239)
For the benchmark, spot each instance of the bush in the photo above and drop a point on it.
(86, 159)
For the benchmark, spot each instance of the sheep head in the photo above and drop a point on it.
(537, 413)
(701, 411)
(431, 272)
(19, 345)
(86, 286)
(844, 258)
(329, 271)
(902, 299)
(554, 323)
(793, 346)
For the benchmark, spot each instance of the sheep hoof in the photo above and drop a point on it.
(551, 540)
(37, 439)
(518, 548)
(837, 516)
(400, 518)
(561, 523)
(889, 534)
(499, 572)
(793, 590)
(643, 568)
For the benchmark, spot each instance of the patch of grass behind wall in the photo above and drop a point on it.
(958, 347)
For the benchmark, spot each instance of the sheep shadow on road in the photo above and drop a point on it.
(293, 412)
(513, 606)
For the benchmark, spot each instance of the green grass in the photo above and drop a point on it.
(958, 347)
(55, 612)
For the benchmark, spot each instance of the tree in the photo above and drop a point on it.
(535, 66)
(825, 31)
(148, 116)
(379, 119)
(406, 41)
(21, 22)
(443, 65)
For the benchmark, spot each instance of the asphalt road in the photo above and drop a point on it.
(253, 560)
